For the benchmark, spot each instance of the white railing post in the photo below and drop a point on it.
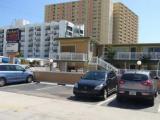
(71, 56)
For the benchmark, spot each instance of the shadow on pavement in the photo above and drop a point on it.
(130, 104)
(84, 99)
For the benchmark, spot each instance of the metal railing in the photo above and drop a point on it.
(70, 56)
(137, 55)
(102, 63)
(154, 72)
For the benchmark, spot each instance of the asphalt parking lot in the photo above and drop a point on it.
(55, 91)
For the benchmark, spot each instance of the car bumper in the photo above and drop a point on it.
(92, 93)
(137, 94)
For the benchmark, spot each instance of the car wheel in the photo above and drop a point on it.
(119, 98)
(105, 94)
(152, 101)
(116, 88)
(2, 82)
(29, 79)
(156, 93)
(77, 96)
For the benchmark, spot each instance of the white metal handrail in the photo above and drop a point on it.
(137, 55)
(70, 56)
(102, 63)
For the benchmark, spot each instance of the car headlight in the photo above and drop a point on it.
(99, 87)
(76, 85)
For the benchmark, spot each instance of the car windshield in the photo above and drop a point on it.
(94, 76)
(134, 77)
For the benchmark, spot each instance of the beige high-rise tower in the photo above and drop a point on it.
(125, 25)
(96, 15)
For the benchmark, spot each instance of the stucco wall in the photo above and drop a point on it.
(58, 77)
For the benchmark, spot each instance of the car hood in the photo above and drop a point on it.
(91, 82)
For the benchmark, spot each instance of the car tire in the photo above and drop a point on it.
(116, 88)
(152, 101)
(76, 96)
(119, 98)
(156, 93)
(29, 79)
(2, 82)
(105, 94)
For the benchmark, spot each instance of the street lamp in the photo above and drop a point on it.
(139, 63)
(50, 64)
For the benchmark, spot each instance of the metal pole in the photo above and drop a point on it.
(157, 68)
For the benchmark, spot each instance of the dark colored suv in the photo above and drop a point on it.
(141, 84)
(96, 84)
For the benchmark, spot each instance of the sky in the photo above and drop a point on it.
(33, 10)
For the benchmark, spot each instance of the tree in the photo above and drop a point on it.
(19, 55)
(110, 54)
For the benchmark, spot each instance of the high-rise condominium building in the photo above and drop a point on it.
(125, 25)
(38, 40)
(96, 15)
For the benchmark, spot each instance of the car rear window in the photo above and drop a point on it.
(134, 77)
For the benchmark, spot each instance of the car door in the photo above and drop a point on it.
(21, 73)
(10, 73)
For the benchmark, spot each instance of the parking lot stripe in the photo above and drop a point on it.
(48, 83)
(107, 100)
(44, 88)
(159, 108)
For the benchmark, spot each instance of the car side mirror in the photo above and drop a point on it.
(156, 78)
(24, 70)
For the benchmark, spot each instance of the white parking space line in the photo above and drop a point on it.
(44, 88)
(107, 100)
(48, 83)
(159, 108)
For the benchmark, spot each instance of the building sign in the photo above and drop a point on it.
(12, 38)
(13, 35)
(12, 47)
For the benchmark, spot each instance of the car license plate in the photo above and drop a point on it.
(132, 93)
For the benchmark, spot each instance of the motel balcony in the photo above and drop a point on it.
(137, 55)
(69, 56)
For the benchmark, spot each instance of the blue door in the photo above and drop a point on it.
(21, 73)
(9, 73)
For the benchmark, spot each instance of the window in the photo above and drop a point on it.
(67, 48)
(7, 68)
(111, 75)
(134, 77)
(3, 68)
(19, 68)
(69, 28)
(94, 76)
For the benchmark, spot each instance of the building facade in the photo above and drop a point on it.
(96, 15)
(125, 25)
(125, 56)
(38, 40)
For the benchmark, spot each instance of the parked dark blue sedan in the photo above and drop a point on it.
(96, 84)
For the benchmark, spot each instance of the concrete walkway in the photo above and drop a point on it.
(22, 107)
